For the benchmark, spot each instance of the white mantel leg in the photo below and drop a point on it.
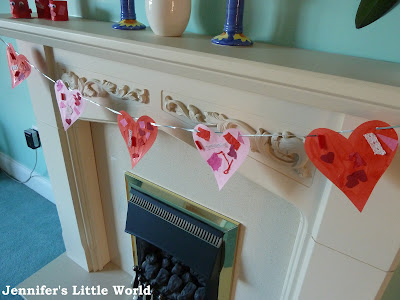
(72, 172)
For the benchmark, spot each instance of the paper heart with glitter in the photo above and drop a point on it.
(356, 164)
(139, 136)
(224, 154)
(70, 103)
(19, 66)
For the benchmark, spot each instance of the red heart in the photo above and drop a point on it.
(138, 136)
(69, 121)
(328, 158)
(352, 180)
(77, 99)
(355, 169)
(19, 66)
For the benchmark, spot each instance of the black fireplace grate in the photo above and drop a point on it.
(178, 221)
(196, 243)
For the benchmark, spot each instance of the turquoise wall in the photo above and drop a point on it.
(16, 114)
(322, 25)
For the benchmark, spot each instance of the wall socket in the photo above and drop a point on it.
(32, 138)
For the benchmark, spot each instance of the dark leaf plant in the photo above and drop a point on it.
(371, 10)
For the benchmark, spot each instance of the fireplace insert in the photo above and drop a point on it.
(181, 249)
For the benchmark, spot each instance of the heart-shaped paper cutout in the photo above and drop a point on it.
(224, 154)
(19, 66)
(357, 163)
(70, 103)
(139, 136)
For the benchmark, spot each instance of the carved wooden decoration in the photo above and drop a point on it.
(282, 147)
(98, 88)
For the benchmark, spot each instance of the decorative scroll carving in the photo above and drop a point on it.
(98, 88)
(191, 112)
(282, 147)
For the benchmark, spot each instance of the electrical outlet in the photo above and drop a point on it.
(32, 138)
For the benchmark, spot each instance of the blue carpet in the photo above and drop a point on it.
(30, 233)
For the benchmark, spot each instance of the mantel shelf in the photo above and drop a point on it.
(365, 82)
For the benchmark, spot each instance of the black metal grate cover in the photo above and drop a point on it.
(194, 242)
(177, 221)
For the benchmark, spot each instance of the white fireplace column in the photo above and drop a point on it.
(338, 252)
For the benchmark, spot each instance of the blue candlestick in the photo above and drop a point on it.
(128, 17)
(233, 29)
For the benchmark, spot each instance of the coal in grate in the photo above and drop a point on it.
(169, 278)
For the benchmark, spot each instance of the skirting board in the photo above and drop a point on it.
(39, 184)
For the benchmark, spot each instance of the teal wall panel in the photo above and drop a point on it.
(16, 114)
(322, 25)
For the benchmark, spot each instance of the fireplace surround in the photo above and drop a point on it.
(300, 237)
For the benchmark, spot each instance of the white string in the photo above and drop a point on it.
(192, 129)
(4, 42)
(99, 105)
(47, 77)
(346, 131)
(390, 127)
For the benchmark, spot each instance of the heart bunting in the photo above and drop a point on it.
(139, 136)
(224, 154)
(70, 103)
(19, 66)
(356, 164)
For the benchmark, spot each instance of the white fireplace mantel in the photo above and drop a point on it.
(351, 84)
(337, 252)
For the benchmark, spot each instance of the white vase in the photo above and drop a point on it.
(168, 17)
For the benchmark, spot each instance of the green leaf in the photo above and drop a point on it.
(371, 10)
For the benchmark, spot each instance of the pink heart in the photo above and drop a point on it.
(70, 108)
(19, 66)
(224, 153)
(328, 158)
